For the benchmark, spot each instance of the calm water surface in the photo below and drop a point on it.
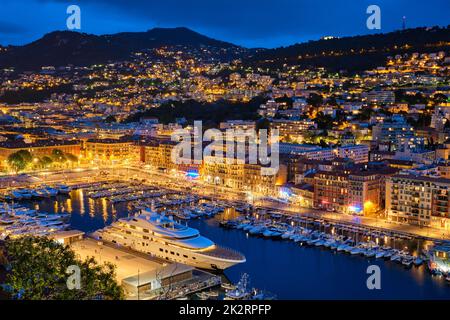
(283, 268)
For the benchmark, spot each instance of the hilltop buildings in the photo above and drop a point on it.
(373, 143)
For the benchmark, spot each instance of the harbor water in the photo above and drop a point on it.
(283, 268)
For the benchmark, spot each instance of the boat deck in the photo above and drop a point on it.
(224, 253)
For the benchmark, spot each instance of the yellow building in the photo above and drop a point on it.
(243, 176)
(110, 150)
(157, 153)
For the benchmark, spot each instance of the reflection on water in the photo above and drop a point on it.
(230, 214)
(68, 206)
(281, 267)
(99, 213)
(294, 272)
(80, 195)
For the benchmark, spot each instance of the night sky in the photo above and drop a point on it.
(250, 23)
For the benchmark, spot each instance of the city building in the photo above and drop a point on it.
(396, 134)
(418, 200)
(292, 130)
(242, 176)
(358, 153)
(348, 191)
(110, 150)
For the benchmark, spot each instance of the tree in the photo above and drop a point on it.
(16, 162)
(315, 99)
(58, 156)
(439, 98)
(110, 119)
(37, 270)
(71, 157)
(46, 161)
(365, 114)
(26, 155)
(324, 121)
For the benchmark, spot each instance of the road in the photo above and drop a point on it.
(180, 183)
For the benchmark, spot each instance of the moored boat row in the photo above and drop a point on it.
(44, 191)
(315, 233)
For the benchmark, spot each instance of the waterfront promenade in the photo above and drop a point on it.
(173, 182)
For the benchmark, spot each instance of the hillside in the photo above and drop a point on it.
(356, 53)
(61, 48)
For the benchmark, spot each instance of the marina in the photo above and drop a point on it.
(343, 238)
(308, 251)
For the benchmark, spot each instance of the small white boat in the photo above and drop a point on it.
(287, 235)
(319, 243)
(202, 295)
(25, 193)
(228, 286)
(64, 189)
(407, 261)
(212, 294)
(369, 253)
(417, 261)
(16, 194)
(52, 191)
(43, 193)
(256, 230)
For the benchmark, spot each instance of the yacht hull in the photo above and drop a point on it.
(201, 260)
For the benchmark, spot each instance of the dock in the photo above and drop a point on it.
(144, 277)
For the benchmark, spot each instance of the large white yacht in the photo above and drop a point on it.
(161, 236)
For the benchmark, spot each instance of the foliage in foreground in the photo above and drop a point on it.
(36, 270)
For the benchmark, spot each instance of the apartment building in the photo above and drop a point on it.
(380, 96)
(308, 151)
(397, 134)
(242, 176)
(358, 153)
(348, 191)
(292, 130)
(418, 200)
(110, 150)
